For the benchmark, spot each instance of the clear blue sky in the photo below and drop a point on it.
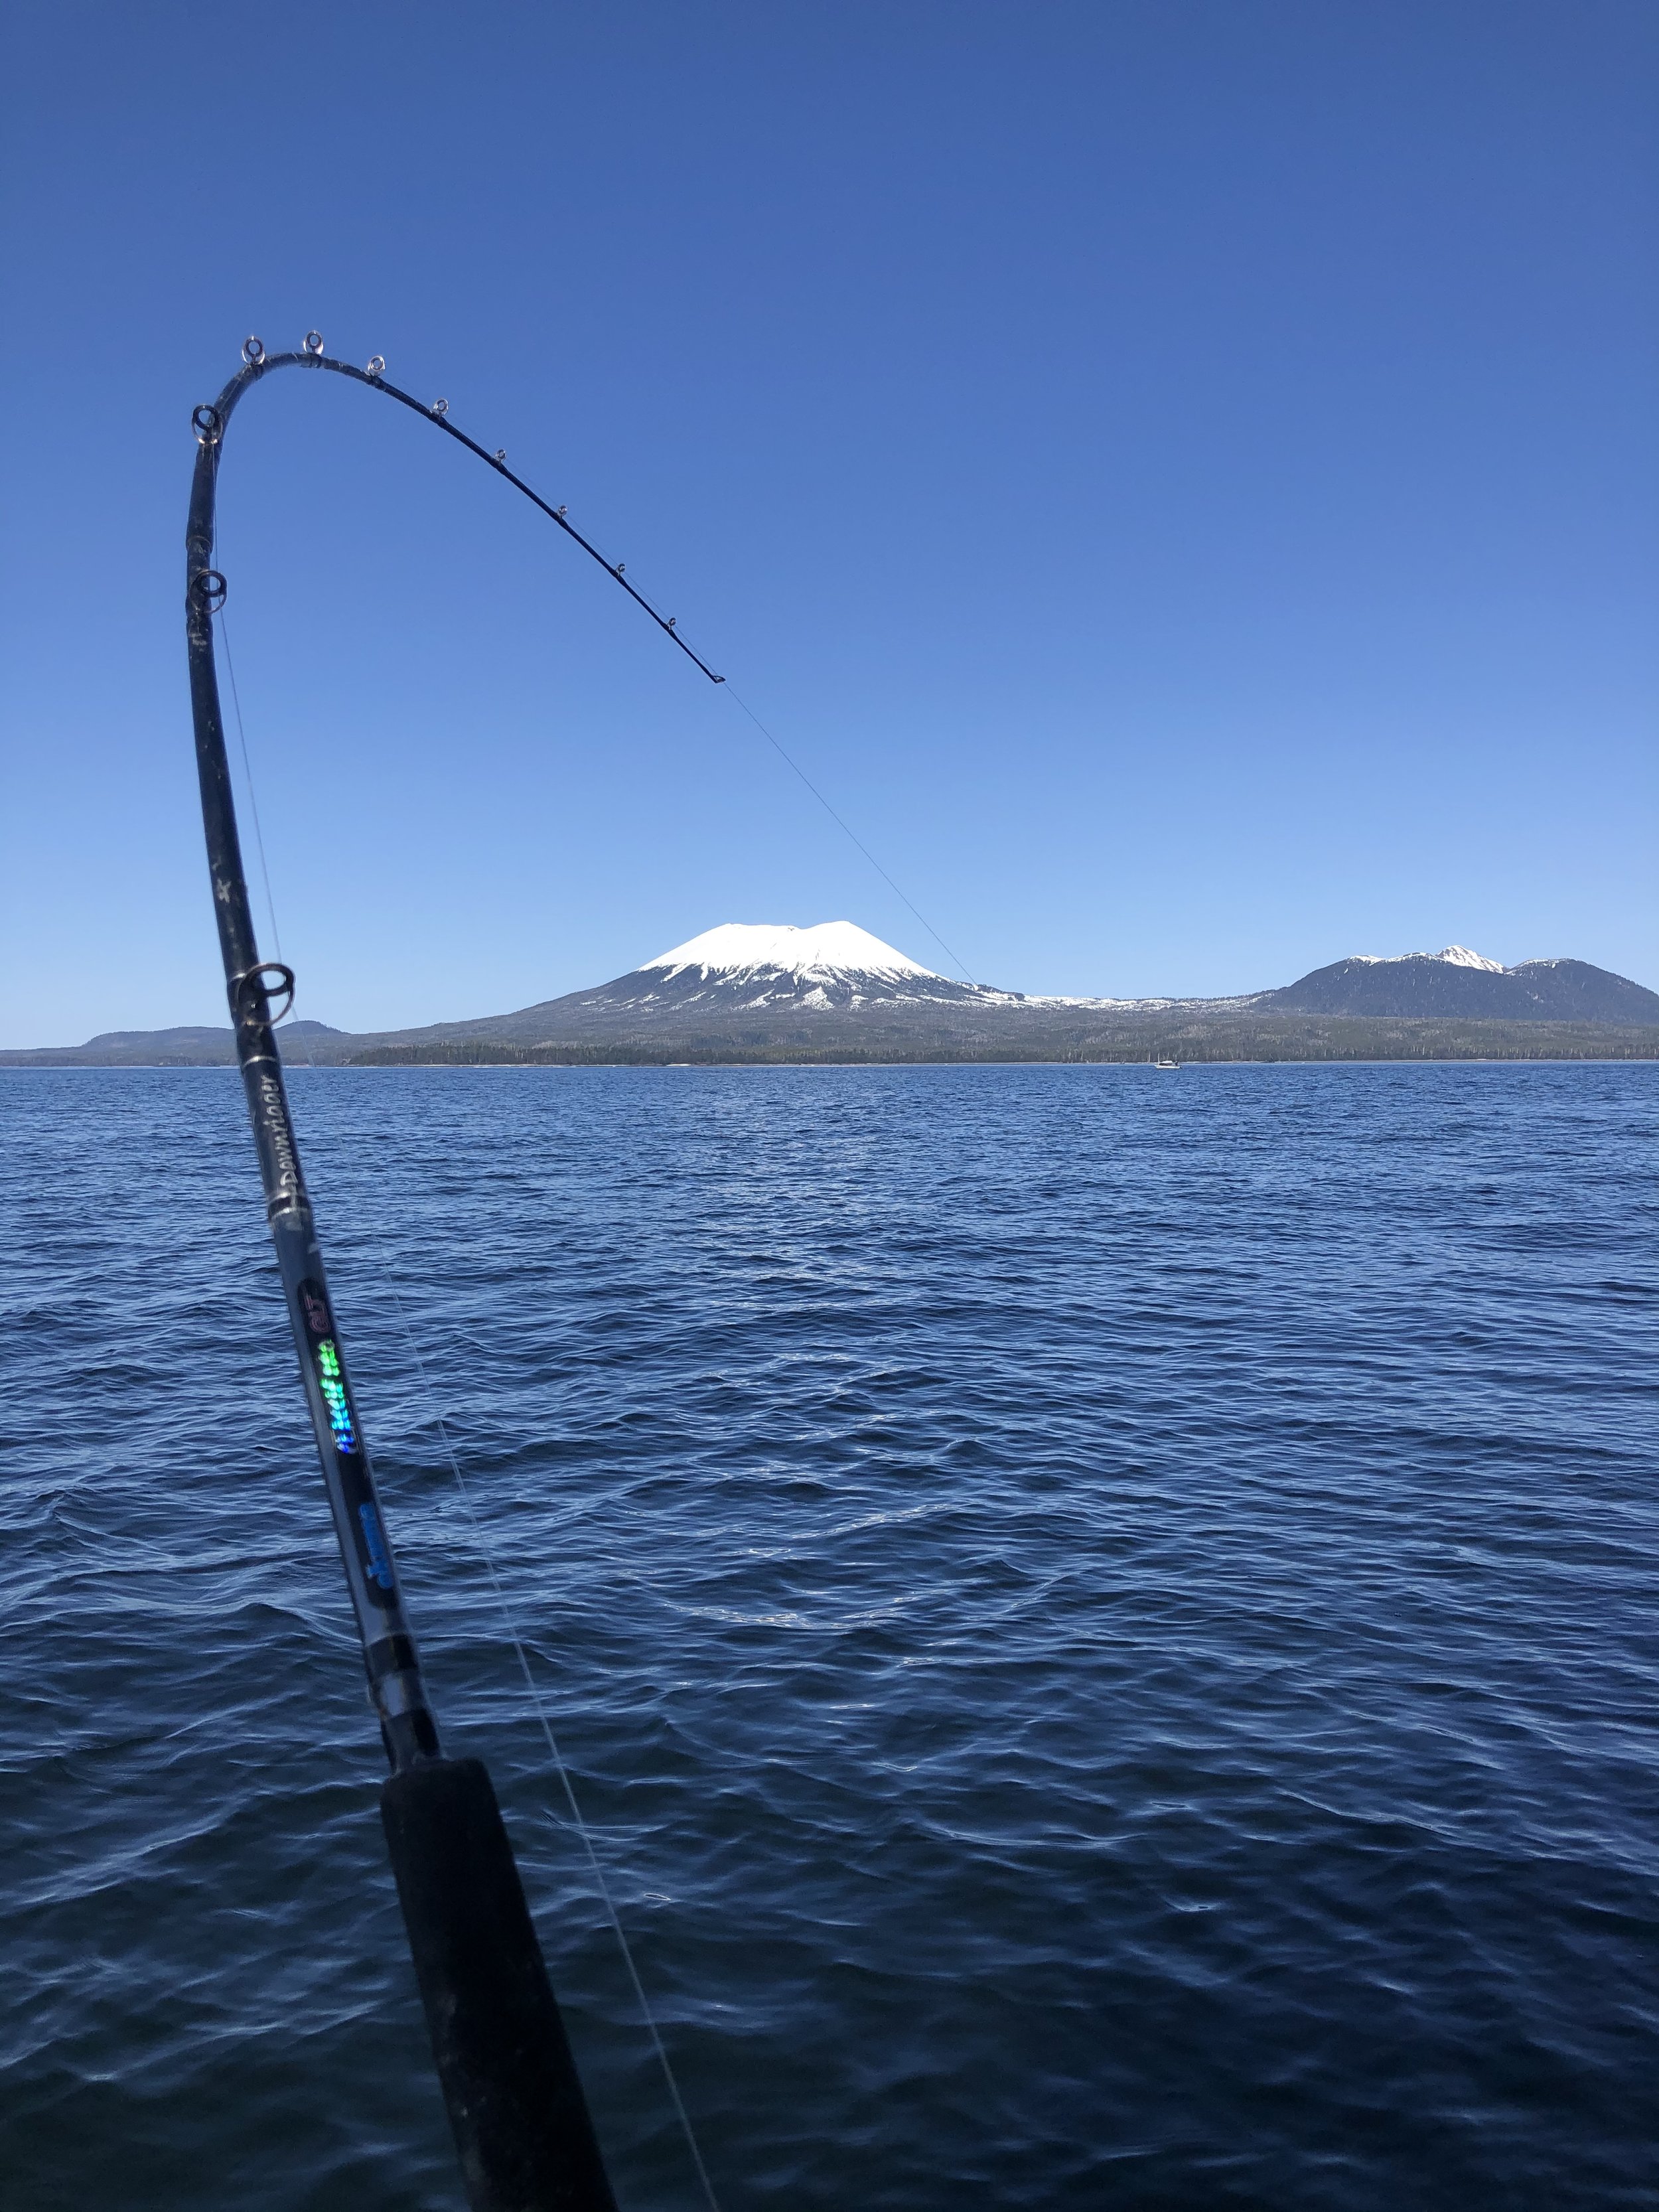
(1180, 474)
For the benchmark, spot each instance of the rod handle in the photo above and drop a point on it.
(515, 2100)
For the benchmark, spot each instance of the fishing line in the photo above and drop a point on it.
(837, 818)
(617, 570)
(484, 1553)
(511, 1625)
(437, 413)
(254, 796)
(403, 1716)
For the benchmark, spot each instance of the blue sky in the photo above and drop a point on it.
(1178, 474)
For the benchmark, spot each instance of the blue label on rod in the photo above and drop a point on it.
(380, 1559)
(357, 1496)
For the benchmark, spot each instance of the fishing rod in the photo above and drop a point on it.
(515, 2100)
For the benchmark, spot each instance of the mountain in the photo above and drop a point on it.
(1427, 986)
(746, 965)
(834, 992)
(752, 981)
(775, 984)
(188, 1047)
(742, 967)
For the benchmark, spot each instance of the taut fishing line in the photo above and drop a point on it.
(438, 413)
(252, 794)
(514, 2097)
(247, 766)
(510, 1623)
(857, 840)
(481, 1545)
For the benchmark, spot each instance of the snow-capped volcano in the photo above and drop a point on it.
(827, 950)
(744, 966)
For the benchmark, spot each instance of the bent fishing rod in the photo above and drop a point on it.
(515, 2101)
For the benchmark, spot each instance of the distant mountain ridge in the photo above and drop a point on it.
(771, 990)
(1426, 986)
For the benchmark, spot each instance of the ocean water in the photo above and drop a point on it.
(1105, 1624)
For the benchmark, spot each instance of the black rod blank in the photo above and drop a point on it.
(515, 2099)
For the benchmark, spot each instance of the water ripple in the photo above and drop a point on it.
(1104, 1625)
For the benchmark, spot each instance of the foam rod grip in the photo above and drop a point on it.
(515, 2100)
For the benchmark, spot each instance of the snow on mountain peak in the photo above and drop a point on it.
(1459, 956)
(828, 948)
(1454, 956)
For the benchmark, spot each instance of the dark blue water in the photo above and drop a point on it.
(1106, 1624)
